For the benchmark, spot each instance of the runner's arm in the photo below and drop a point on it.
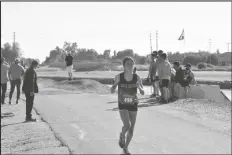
(140, 85)
(116, 82)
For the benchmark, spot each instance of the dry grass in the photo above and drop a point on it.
(105, 65)
(81, 85)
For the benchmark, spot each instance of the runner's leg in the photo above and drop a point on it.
(132, 117)
(126, 125)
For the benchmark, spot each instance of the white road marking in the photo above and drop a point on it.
(81, 132)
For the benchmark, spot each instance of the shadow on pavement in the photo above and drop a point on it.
(14, 124)
(145, 104)
(7, 114)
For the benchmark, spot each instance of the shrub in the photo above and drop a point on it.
(201, 66)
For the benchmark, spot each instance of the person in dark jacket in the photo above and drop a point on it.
(179, 80)
(30, 87)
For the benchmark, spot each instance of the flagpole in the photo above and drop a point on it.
(184, 43)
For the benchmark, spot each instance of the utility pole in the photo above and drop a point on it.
(228, 46)
(156, 40)
(14, 41)
(150, 43)
(210, 51)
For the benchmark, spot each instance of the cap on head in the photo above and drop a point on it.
(177, 63)
(35, 63)
(160, 52)
(164, 56)
(188, 65)
(154, 53)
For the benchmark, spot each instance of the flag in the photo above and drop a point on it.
(181, 36)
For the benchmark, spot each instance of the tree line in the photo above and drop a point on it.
(58, 55)
(10, 52)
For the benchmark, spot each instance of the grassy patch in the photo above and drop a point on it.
(106, 65)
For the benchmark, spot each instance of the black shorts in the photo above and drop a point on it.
(133, 107)
(164, 83)
(154, 78)
(185, 83)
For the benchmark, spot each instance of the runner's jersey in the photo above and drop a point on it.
(127, 90)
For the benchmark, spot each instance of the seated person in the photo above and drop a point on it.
(188, 78)
(179, 80)
(172, 84)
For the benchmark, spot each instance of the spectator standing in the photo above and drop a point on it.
(69, 64)
(16, 71)
(164, 70)
(30, 87)
(4, 79)
(152, 74)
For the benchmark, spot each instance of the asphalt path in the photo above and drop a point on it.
(90, 123)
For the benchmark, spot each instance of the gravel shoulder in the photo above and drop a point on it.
(20, 137)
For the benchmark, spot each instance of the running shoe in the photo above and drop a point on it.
(126, 151)
(121, 140)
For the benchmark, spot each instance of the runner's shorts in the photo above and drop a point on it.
(133, 107)
(69, 68)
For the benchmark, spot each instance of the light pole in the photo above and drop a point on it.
(210, 51)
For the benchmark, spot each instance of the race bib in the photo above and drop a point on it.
(128, 99)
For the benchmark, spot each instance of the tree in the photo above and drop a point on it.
(10, 53)
(124, 53)
(194, 60)
(107, 54)
(142, 60)
(70, 47)
(212, 59)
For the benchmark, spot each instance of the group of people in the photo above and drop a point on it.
(164, 77)
(168, 79)
(15, 74)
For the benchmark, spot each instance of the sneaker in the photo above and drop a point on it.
(163, 101)
(9, 102)
(30, 119)
(121, 140)
(126, 151)
(17, 101)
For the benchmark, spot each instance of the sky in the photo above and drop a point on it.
(41, 26)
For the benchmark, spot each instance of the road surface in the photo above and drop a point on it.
(90, 123)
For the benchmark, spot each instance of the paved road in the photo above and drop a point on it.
(200, 75)
(90, 123)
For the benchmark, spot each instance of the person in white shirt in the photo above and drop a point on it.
(164, 70)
